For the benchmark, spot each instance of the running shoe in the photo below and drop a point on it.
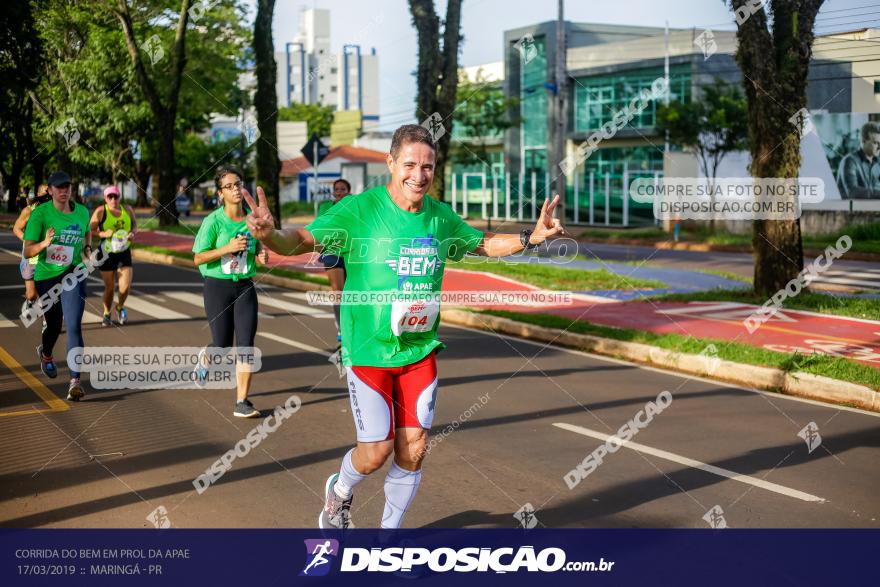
(245, 409)
(47, 364)
(336, 514)
(106, 321)
(75, 391)
(121, 315)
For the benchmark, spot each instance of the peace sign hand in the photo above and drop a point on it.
(547, 226)
(260, 222)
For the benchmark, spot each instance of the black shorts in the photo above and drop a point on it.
(332, 262)
(116, 260)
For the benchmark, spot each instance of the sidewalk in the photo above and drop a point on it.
(787, 331)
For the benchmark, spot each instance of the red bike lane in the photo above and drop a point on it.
(787, 331)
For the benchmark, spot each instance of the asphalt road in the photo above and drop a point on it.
(118, 456)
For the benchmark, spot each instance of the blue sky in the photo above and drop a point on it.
(483, 22)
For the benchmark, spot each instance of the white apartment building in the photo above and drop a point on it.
(309, 73)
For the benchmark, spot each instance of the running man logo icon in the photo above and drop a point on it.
(526, 516)
(810, 434)
(159, 518)
(802, 121)
(527, 48)
(320, 555)
(715, 518)
(706, 42)
(434, 124)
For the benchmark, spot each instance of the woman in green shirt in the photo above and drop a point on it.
(226, 255)
(58, 233)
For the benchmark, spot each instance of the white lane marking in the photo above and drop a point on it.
(294, 308)
(293, 343)
(186, 297)
(170, 284)
(6, 322)
(153, 310)
(91, 318)
(747, 479)
(724, 384)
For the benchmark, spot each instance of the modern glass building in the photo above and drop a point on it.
(606, 67)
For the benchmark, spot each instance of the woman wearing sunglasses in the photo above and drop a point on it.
(115, 224)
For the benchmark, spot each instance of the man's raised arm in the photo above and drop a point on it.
(501, 245)
(261, 224)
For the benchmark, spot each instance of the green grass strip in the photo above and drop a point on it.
(824, 365)
(554, 277)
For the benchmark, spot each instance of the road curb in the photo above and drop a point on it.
(265, 278)
(752, 376)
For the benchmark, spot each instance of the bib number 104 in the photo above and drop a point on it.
(413, 321)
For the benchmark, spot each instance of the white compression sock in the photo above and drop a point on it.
(400, 488)
(348, 477)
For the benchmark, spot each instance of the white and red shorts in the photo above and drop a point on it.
(385, 398)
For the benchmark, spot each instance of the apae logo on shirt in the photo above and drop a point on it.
(419, 259)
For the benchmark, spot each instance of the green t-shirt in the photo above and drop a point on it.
(390, 251)
(216, 231)
(324, 206)
(70, 232)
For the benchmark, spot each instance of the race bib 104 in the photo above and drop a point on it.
(415, 316)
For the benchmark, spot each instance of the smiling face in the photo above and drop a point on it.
(411, 174)
(340, 190)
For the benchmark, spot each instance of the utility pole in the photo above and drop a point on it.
(560, 112)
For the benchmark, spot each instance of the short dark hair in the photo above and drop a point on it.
(223, 170)
(410, 133)
(345, 181)
(870, 128)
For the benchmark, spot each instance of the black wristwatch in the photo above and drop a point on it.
(524, 237)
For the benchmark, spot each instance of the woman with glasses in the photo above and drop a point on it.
(115, 224)
(226, 255)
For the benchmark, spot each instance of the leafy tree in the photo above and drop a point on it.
(318, 117)
(20, 57)
(481, 115)
(711, 126)
(437, 74)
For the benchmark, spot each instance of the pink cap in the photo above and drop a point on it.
(111, 190)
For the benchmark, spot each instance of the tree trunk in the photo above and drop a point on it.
(437, 75)
(142, 172)
(164, 110)
(775, 65)
(268, 166)
(13, 183)
(167, 188)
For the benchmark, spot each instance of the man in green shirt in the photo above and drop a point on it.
(395, 242)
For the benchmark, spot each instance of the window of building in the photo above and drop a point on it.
(333, 88)
(333, 70)
(877, 86)
(598, 99)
